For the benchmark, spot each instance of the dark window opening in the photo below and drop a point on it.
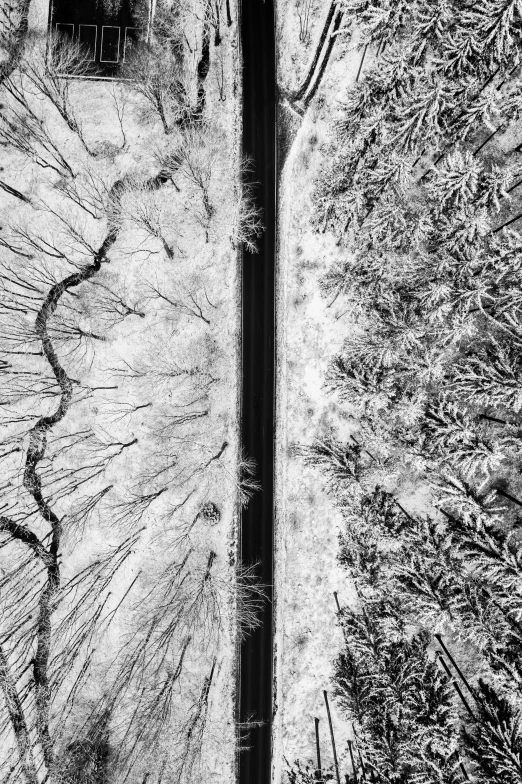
(88, 38)
(110, 45)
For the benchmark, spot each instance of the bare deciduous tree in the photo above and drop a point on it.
(45, 70)
(156, 74)
(191, 301)
(142, 206)
(304, 9)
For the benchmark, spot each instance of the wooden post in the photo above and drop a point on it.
(336, 763)
(337, 602)
(319, 772)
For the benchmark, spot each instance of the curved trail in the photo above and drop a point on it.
(258, 375)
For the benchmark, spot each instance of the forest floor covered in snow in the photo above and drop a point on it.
(139, 471)
(310, 330)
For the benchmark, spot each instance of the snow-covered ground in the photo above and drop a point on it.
(309, 332)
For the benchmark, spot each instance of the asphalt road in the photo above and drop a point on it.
(257, 529)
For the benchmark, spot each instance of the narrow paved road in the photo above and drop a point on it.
(259, 141)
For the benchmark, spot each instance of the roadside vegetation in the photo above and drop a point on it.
(121, 471)
(420, 188)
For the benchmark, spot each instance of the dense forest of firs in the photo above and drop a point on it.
(421, 186)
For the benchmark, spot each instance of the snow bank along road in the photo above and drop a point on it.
(259, 142)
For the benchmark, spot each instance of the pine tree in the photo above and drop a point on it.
(494, 743)
(498, 29)
(356, 381)
(429, 28)
(489, 375)
(480, 110)
(456, 496)
(486, 624)
(362, 553)
(455, 181)
(343, 462)
(491, 552)
(384, 83)
(494, 186)
(424, 588)
(353, 687)
(422, 115)
(399, 699)
(454, 438)
(378, 21)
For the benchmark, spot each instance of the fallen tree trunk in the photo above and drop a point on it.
(299, 93)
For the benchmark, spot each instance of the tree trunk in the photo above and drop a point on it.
(14, 192)
(353, 762)
(494, 419)
(509, 497)
(361, 63)
(299, 93)
(161, 112)
(507, 223)
(168, 250)
(18, 723)
(229, 15)
(456, 666)
(336, 763)
(217, 31)
(363, 766)
(515, 185)
(456, 687)
(325, 60)
(491, 135)
(403, 510)
(318, 771)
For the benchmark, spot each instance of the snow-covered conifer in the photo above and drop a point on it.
(455, 181)
(494, 741)
(488, 376)
(498, 30)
